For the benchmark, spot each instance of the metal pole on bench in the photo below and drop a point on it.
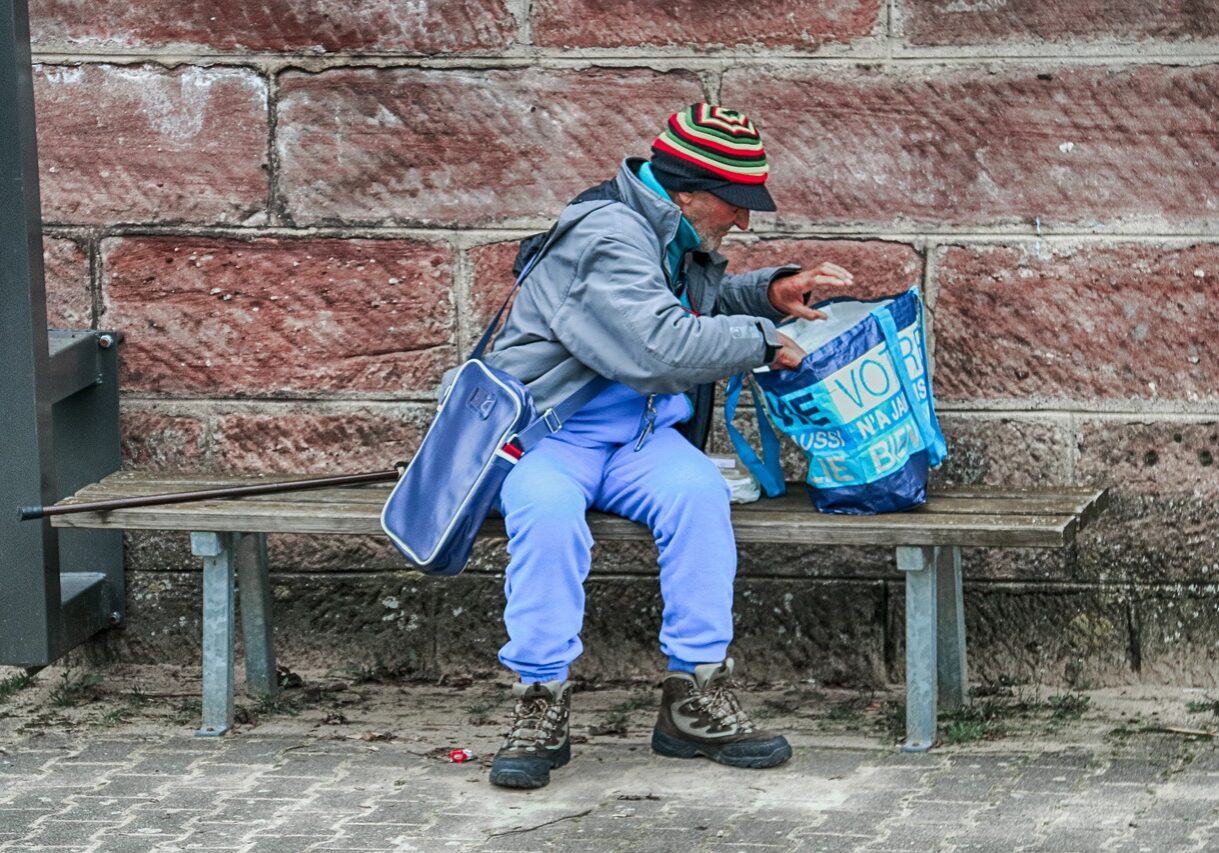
(35, 512)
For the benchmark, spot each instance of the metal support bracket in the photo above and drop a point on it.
(232, 562)
(219, 604)
(950, 630)
(917, 562)
(936, 673)
(257, 634)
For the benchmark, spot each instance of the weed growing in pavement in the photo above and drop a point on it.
(892, 720)
(1067, 706)
(1206, 706)
(116, 716)
(966, 731)
(977, 721)
(188, 711)
(278, 704)
(14, 684)
(72, 689)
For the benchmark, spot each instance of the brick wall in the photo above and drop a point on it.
(298, 212)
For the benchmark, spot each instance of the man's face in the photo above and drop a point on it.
(711, 216)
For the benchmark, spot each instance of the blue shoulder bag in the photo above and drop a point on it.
(485, 423)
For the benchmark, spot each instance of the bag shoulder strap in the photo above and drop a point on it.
(766, 469)
(552, 419)
(605, 193)
(923, 411)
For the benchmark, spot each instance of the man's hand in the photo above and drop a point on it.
(790, 292)
(789, 356)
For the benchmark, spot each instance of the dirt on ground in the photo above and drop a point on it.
(372, 705)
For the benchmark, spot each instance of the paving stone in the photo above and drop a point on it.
(130, 785)
(399, 814)
(908, 836)
(127, 844)
(254, 810)
(34, 798)
(221, 836)
(818, 843)
(104, 752)
(66, 833)
(940, 812)
(1157, 835)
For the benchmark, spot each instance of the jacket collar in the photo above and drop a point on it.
(661, 213)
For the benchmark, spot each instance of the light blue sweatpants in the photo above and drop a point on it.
(669, 485)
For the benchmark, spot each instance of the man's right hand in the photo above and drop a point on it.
(789, 356)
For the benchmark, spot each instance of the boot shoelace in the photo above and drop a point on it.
(721, 703)
(534, 723)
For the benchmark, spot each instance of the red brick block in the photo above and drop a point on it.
(157, 441)
(431, 26)
(281, 317)
(880, 269)
(934, 145)
(492, 266)
(146, 144)
(305, 441)
(1151, 458)
(459, 146)
(1119, 323)
(66, 272)
(934, 22)
(702, 24)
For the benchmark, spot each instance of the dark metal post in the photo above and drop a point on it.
(58, 402)
(29, 559)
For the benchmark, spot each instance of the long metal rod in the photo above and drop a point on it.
(32, 512)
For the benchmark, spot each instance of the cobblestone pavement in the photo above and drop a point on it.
(318, 780)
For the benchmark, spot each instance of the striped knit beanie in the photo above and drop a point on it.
(707, 147)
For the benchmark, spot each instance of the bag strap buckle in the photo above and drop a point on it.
(552, 420)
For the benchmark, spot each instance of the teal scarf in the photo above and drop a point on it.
(687, 238)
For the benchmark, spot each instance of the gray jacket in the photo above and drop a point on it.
(599, 302)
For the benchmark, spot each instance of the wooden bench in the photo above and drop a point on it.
(230, 536)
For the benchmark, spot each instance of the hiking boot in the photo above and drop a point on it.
(537, 741)
(700, 715)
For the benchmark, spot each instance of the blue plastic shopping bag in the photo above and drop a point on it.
(859, 406)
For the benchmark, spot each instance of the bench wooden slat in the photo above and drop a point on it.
(967, 516)
(808, 527)
(1058, 501)
(153, 481)
(124, 484)
(793, 501)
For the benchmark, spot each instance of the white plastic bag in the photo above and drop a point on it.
(744, 486)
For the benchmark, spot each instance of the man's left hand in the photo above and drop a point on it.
(790, 293)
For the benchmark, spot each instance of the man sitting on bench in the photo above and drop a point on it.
(636, 292)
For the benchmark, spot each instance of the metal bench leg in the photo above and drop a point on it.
(950, 629)
(216, 549)
(254, 588)
(918, 564)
